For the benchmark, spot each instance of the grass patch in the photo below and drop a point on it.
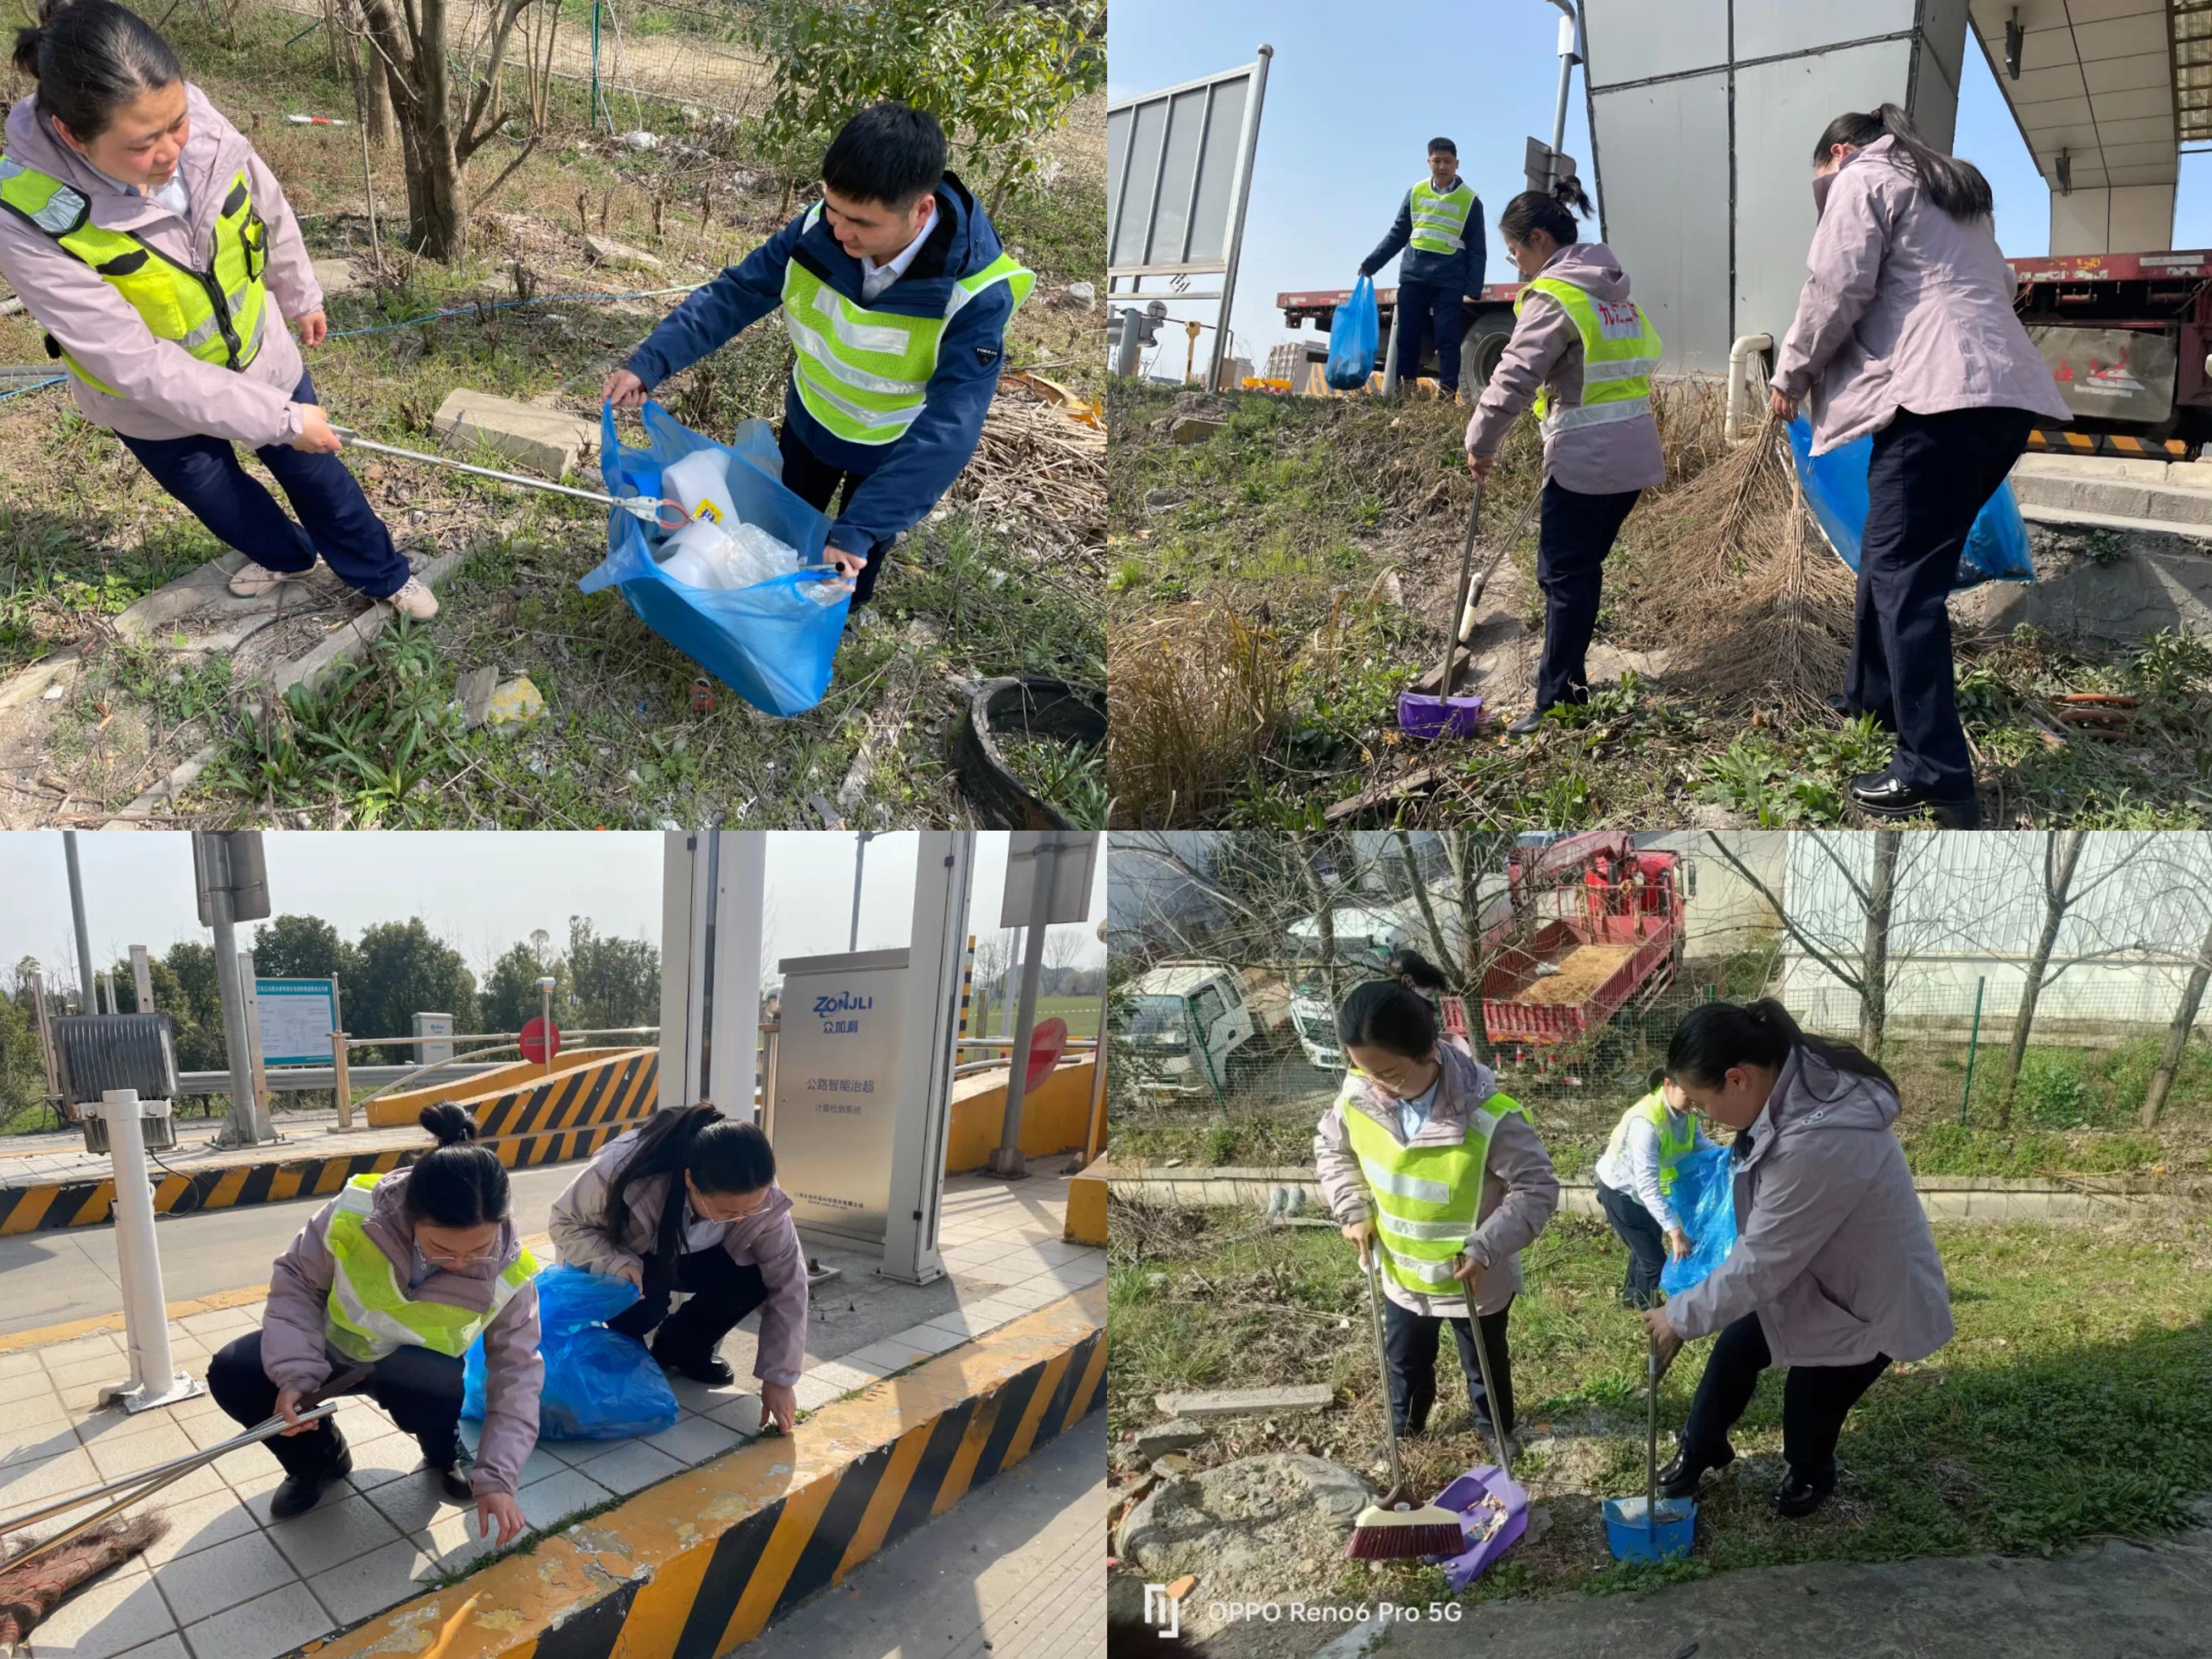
(2067, 1406)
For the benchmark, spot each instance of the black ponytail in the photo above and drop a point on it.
(1552, 211)
(460, 1184)
(1718, 1035)
(1418, 971)
(1956, 186)
(721, 1154)
(1384, 1014)
(90, 58)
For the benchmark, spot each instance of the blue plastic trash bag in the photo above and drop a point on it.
(599, 1384)
(1704, 1200)
(772, 644)
(1351, 338)
(1836, 489)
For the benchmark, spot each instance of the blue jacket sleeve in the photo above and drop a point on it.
(1478, 249)
(923, 463)
(1401, 234)
(711, 317)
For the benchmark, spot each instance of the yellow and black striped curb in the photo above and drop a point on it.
(2060, 441)
(570, 1117)
(692, 1567)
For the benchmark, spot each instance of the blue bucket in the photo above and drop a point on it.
(1668, 1534)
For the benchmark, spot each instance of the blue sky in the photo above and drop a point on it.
(1350, 110)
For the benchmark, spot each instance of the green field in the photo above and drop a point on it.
(1081, 1014)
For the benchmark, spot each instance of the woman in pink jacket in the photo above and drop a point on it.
(689, 1203)
(1583, 352)
(400, 1274)
(1905, 329)
(1833, 1276)
(143, 233)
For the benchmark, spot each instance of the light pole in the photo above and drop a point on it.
(1570, 52)
(859, 862)
(91, 1004)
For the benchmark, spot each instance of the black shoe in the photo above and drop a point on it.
(1798, 1497)
(1679, 1477)
(301, 1492)
(711, 1369)
(1883, 795)
(453, 1486)
(1527, 725)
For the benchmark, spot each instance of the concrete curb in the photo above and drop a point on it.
(690, 1568)
(1942, 1198)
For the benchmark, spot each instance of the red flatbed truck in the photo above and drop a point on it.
(1489, 322)
(1601, 930)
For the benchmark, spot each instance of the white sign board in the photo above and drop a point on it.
(1072, 872)
(297, 1019)
(837, 1089)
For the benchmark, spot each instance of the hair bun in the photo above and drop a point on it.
(451, 1125)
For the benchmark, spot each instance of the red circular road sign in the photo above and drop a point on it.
(1046, 1040)
(533, 1041)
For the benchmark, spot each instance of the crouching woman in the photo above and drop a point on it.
(400, 1273)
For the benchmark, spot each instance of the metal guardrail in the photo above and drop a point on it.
(292, 1079)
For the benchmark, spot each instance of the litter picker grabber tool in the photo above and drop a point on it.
(665, 515)
(137, 1487)
(1491, 1507)
(1660, 1529)
(1443, 715)
(1392, 1529)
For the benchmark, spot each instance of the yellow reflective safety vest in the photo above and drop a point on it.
(1619, 350)
(216, 315)
(1440, 218)
(370, 1314)
(1674, 1145)
(1427, 1199)
(864, 374)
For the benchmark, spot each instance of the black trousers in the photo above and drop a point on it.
(818, 483)
(1410, 1340)
(721, 1293)
(1928, 476)
(421, 1390)
(1815, 1400)
(1576, 532)
(1647, 1245)
(1425, 308)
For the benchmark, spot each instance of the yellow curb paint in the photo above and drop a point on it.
(868, 1536)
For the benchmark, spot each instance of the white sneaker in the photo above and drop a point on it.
(414, 600)
(251, 580)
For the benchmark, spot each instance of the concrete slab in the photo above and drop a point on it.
(2133, 488)
(1247, 1402)
(541, 440)
(619, 256)
(2155, 581)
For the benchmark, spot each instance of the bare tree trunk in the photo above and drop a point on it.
(334, 32)
(1444, 958)
(1874, 955)
(2177, 1035)
(2061, 853)
(378, 114)
(1324, 920)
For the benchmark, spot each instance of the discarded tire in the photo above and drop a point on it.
(1032, 705)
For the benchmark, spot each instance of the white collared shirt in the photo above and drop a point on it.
(875, 278)
(172, 195)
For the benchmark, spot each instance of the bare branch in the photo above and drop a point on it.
(1811, 946)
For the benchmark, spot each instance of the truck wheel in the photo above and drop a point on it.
(1479, 351)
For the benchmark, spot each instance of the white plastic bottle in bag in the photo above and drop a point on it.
(700, 485)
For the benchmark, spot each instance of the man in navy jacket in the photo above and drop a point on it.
(897, 295)
(1439, 226)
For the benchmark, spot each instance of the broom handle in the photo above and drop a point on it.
(1651, 1441)
(1497, 557)
(76, 1500)
(1458, 599)
(1489, 1389)
(1369, 1268)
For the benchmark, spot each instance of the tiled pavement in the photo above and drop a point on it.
(227, 1583)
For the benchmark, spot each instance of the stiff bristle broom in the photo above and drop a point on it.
(1394, 1528)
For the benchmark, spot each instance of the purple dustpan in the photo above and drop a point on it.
(1461, 1497)
(1438, 717)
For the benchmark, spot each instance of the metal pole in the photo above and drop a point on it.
(860, 863)
(1973, 1045)
(1008, 1160)
(142, 978)
(1391, 344)
(341, 1070)
(249, 987)
(1246, 143)
(154, 1378)
(249, 1122)
(106, 993)
(45, 1034)
(76, 915)
(1095, 1142)
(1569, 45)
(596, 99)
(1130, 344)
(545, 1013)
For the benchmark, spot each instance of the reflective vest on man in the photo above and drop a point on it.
(1427, 1199)
(1619, 350)
(1674, 1143)
(864, 374)
(370, 1314)
(1440, 218)
(216, 315)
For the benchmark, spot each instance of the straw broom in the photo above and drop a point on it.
(1393, 1529)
